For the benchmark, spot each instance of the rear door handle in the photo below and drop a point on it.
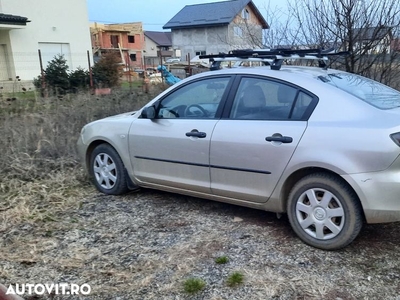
(279, 138)
(196, 133)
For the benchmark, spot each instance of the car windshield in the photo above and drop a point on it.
(370, 91)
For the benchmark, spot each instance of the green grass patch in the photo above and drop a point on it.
(222, 260)
(194, 285)
(235, 279)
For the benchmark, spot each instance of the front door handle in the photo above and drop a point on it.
(196, 133)
(279, 138)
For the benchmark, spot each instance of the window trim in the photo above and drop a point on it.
(235, 89)
(221, 105)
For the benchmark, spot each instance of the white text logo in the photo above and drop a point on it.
(41, 289)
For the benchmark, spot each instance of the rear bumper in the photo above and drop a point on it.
(379, 193)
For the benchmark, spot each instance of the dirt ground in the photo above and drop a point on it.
(146, 244)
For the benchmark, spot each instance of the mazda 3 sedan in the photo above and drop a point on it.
(318, 144)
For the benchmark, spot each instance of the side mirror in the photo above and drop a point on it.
(148, 112)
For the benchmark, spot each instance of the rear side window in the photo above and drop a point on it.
(303, 102)
(370, 91)
(262, 99)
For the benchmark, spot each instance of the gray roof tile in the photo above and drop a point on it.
(160, 38)
(211, 14)
(12, 19)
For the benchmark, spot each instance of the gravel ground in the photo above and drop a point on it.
(146, 244)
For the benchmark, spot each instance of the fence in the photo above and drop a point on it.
(19, 70)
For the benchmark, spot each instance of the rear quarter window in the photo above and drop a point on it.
(370, 91)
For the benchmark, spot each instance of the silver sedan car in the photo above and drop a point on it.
(320, 145)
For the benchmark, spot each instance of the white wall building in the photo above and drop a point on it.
(53, 26)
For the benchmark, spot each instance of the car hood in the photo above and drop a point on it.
(121, 116)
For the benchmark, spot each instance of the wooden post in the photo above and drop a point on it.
(128, 66)
(43, 81)
(189, 68)
(90, 72)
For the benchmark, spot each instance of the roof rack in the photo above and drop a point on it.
(273, 57)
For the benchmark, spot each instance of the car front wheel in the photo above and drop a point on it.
(324, 212)
(108, 171)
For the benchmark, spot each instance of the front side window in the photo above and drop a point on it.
(259, 99)
(199, 99)
(370, 91)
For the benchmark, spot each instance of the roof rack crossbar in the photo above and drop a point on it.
(274, 57)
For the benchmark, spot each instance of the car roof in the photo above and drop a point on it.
(266, 70)
(298, 75)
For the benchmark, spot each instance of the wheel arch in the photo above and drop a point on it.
(93, 145)
(297, 175)
(90, 149)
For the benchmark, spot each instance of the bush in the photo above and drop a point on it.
(79, 80)
(57, 77)
(107, 71)
(58, 81)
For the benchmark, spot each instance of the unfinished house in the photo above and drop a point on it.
(217, 27)
(126, 39)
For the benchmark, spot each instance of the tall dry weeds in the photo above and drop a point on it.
(39, 165)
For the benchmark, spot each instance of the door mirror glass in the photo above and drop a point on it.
(148, 112)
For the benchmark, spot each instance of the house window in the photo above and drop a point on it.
(132, 56)
(131, 39)
(200, 52)
(238, 31)
(245, 14)
(114, 40)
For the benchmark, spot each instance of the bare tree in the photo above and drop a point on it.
(365, 28)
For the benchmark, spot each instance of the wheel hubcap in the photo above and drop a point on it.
(320, 214)
(105, 171)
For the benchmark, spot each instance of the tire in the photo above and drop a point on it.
(107, 171)
(324, 212)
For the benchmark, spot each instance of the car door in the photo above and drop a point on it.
(172, 149)
(251, 147)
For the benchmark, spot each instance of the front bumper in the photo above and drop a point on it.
(81, 147)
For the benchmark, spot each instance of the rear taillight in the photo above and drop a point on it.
(396, 138)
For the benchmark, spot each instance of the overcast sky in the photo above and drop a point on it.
(153, 13)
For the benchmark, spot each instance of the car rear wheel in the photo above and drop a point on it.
(108, 171)
(324, 212)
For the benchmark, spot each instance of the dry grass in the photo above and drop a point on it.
(54, 227)
(41, 177)
(40, 170)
